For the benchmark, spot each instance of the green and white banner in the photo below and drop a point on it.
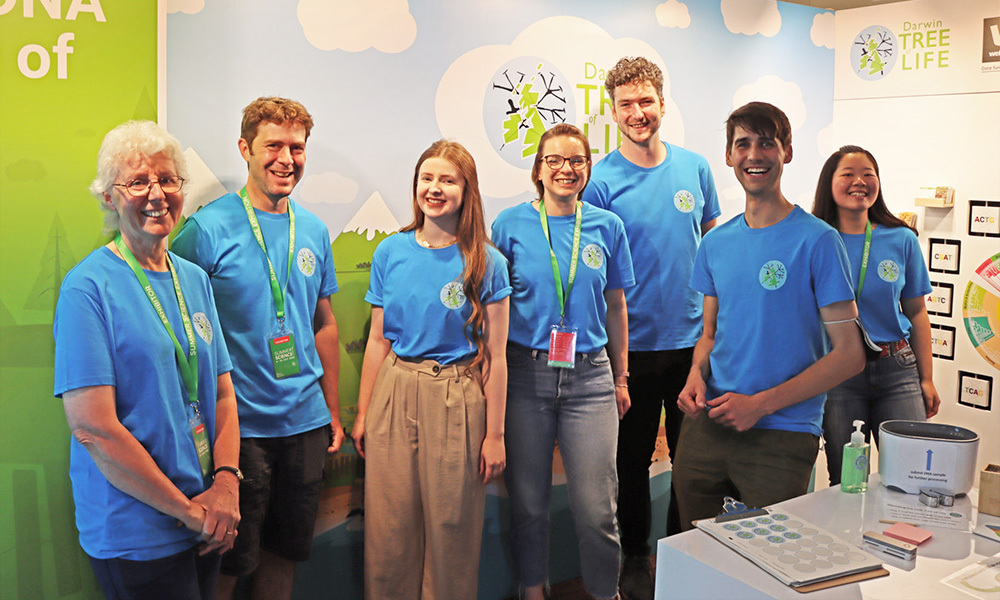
(70, 70)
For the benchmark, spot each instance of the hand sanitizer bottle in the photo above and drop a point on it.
(854, 472)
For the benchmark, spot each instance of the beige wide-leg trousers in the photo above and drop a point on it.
(424, 497)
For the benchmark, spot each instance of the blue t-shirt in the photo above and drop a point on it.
(770, 284)
(663, 209)
(424, 305)
(896, 270)
(220, 240)
(107, 333)
(604, 264)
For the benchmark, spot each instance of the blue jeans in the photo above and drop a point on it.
(888, 388)
(577, 408)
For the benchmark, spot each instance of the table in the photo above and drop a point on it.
(695, 565)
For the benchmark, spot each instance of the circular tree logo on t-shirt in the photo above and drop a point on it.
(593, 256)
(452, 295)
(772, 275)
(873, 53)
(306, 261)
(525, 96)
(684, 201)
(202, 326)
(888, 270)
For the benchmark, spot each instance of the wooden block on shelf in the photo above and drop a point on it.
(989, 490)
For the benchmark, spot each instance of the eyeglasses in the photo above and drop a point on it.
(555, 162)
(141, 187)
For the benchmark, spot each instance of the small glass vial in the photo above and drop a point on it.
(854, 472)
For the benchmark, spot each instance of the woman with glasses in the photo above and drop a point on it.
(143, 372)
(890, 280)
(433, 385)
(567, 360)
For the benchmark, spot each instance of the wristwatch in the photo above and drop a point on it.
(233, 470)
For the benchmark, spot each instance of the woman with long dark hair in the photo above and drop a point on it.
(890, 280)
(430, 420)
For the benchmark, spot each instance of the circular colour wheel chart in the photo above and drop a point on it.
(981, 310)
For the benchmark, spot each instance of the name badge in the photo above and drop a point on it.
(201, 445)
(283, 354)
(562, 347)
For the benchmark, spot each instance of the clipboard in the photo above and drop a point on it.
(801, 555)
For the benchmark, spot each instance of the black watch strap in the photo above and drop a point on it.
(233, 470)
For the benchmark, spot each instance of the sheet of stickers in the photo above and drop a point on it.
(790, 548)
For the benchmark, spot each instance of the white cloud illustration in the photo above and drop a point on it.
(326, 188)
(188, 7)
(822, 30)
(673, 13)
(354, 26)
(751, 17)
(462, 92)
(786, 95)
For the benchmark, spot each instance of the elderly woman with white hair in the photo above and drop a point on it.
(143, 372)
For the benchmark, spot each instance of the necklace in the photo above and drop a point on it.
(419, 235)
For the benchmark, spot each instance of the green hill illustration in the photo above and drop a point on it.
(352, 253)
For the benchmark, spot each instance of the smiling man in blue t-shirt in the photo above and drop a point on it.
(271, 268)
(666, 197)
(775, 280)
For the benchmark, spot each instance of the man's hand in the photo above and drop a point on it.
(336, 436)
(735, 411)
(691, 400)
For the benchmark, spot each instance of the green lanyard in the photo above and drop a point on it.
(864, 260)
(276, 290)
(187, 363)
(575, 257)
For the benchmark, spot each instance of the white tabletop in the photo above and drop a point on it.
(696, 565)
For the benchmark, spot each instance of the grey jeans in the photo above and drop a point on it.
(576, 407)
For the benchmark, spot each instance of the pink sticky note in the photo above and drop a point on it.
(908, 533)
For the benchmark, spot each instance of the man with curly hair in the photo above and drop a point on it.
(666, 196)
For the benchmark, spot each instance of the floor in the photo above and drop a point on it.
(573, 589)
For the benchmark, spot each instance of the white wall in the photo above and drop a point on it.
(938, 126)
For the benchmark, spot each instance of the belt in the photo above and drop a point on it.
(536, 354)
(891, 348)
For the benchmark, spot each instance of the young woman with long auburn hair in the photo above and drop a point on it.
(430, 420)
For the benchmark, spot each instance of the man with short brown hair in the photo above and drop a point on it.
(272, 273)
